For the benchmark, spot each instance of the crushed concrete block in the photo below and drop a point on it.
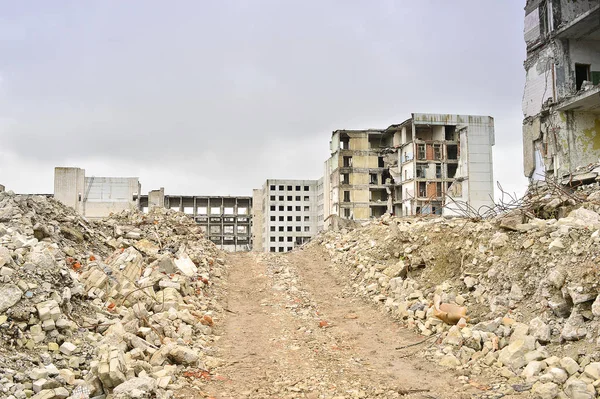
(10, 295)
(68, 348)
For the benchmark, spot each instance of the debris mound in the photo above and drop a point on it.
(118, 307)
(513, 300)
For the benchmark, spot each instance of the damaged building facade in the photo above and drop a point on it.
(225, 220)
(561, 101)
(429, 164)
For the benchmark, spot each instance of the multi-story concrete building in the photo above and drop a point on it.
(355, 175)
(288, 213)
(95, 197)
(225, 220)
(444, 165)
(429, 164)
(561, 102)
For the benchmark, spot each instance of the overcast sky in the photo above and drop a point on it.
(214, 97)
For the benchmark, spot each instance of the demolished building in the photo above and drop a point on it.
(429, 164)
(95, 197)
(561, 101)
(225, 220)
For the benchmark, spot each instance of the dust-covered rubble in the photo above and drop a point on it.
(513, 299)
(112, 309)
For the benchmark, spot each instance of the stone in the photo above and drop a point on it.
(470, 282)
(142, 384)
(183, 355)
(547, 390)
(166, 264)
(574, 328)
(577, 389)
(559, 375)
(540, 330)
(38, 385)
(556, 245)
(570, 365)
(513, 355)
(499, 240)
(68, 348)
(459, 300)
(596, 307)
(449, 361)
(585, 218)
(556, 278)
(454, 337)
(10, 295)
(592, 370)
(519, 331)
(579, 295)
(185, 265)
(533, 368)
(61, 393)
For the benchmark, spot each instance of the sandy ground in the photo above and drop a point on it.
(294, 332)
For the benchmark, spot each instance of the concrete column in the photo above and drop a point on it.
(69, 186)
(156, 198)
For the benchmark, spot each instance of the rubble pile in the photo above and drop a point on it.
(514, 298)
(118, 308)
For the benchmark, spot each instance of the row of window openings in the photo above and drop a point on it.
(421, 171)
(438, 189)
(290, 228)
(214, 210)
(289, 198)
(290, 208)
(373, 179)
(290, 218)
(281, 239)
(289, 188)
(226, 229)
(451, 150)
(347, 162)
(281, 249)
(373, 196)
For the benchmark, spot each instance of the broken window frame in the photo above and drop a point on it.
(421, 152)
(437, 152)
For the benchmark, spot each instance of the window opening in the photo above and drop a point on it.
(582, 73)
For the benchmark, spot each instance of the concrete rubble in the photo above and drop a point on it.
(118, 308)
(528, 280)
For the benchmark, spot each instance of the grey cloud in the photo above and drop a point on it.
(236, 92)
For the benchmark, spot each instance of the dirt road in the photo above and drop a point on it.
(295, 333)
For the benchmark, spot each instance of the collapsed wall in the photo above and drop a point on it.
(514, 298)
(116, 307)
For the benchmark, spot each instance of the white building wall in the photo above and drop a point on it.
(282, 226)
(95, 197)
(69, 186)
(538, 83)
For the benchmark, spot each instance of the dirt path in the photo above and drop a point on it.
(295, 333)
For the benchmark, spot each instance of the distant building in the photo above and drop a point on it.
(225, 220)
(95, 197)
(561, 102)
(429, 164)
(285, 214)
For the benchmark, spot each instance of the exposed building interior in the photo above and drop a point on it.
(226, 221)
(413, 168)
(561, 102)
